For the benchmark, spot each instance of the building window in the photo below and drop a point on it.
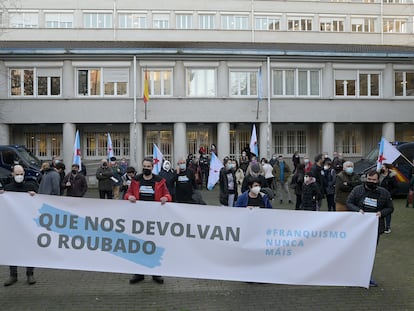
(163, 139)
(296, 82)
(97, 143)
(24, 20)
(161, 21)
(243, 83)
(97, 20)
(103, 82)
(35, 82)
(206, 21)
(348, 140)
(159, 82)
(363, 24)
(234, 22)
(299, 23)
(289, 141)
(44, 145)
(395, 25)
(404, 83)
(201, 82)
(270, 23)
(331, 24)
(132, 20)
(357, 83)
(239, 141)
(184, 21)
(196, 138)
(395, 1)
(58, 20)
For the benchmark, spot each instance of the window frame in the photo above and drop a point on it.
(295, 89)
(205, 87)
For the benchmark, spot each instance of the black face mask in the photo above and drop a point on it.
(146, 171)
(74, 172)
(371, 185)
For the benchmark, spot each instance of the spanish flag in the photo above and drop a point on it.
(399, 176)
(146, 90)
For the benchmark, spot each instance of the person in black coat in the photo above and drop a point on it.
(311, 193)
(389, 182)
(19, 184)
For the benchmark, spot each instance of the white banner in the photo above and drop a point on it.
(184, 240)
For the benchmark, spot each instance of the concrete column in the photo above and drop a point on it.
(179, 80)
(223, 139)
(388, 86)
(223, 80)
(180, 142)
(264, 140)
(388, 131)
(68, 78)
(136, 142)
(328, 138)
(69, 132)
(4, 134)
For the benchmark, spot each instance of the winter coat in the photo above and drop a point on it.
(344, 184)
(104, 174)
(311, 194)
(50, 183)
(160, 190)
(78, 185)
(243, 200)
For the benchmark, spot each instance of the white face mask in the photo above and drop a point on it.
(306, 160)
(326, 167)
(256, 189)
(19, 178)
(305, 179)
(182, 166)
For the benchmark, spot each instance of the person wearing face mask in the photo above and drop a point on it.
(75, 183)
(185, 183)
(168, 173)
(148, 187)
(228, 183)
(254, 170)
(345, 181)
(369, 197)
(311, 193)
(244, 161)
(308, 163)
(104, 175)
(282, 173)
(253, 198)
(389, 182)
(19, 184)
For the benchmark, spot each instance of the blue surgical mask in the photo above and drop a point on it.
(349, 170)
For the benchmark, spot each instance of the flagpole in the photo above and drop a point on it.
(405, 158)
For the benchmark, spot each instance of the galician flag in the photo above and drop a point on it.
(77, 152)
(214, 174)
(157, 158)
(253, 142)
(109, 148)
(387, 153)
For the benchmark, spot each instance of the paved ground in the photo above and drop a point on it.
(76, 290)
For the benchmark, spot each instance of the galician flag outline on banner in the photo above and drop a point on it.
(157, 157)
(387, 153)
(109, 148)
(77, 151)
(253, 142)
(214, 173)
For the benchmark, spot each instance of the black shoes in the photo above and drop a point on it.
(158, 279)
(31, 280)
(136, 278)
(10, 281)
(139, 277)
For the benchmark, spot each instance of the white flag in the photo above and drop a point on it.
(157, 157)
(214, 174)
(77, 151)
(387, 153)
(253, 142)
(109, 148)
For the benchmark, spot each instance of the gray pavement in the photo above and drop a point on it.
(79, 290)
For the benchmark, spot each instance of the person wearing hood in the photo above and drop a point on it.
(388, 181)
(311, 193)
(19, 184)
(168, 173)
(253, 198)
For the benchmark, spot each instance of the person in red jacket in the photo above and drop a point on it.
(147, 187)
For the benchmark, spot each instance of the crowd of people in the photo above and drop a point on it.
(247, 182)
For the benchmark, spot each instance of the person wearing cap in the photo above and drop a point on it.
(75, 183)
(103, 175)
(254, 170)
